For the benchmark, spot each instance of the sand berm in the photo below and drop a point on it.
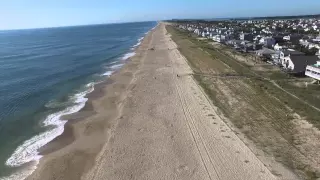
(150, 120)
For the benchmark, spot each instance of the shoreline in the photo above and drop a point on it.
(62, 143)
(134, 133)
(69, 134)
(169, 129)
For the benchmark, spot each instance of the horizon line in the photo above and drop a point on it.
(76, 25)
(126, 22)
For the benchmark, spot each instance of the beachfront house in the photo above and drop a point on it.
(313, 71)
(298, 64)
(285, 53)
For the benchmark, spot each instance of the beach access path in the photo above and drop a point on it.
(168, 129)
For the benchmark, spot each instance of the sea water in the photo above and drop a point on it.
(45, 74)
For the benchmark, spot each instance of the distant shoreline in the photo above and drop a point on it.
(71, 138)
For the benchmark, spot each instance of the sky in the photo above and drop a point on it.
(25, 14)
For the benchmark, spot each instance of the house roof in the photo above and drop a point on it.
(301, 62)
(248, 44)
(266, 51)
(296, 35)
(286, 52)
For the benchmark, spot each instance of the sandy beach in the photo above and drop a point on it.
(150, 120)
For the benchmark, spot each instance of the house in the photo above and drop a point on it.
(247, 47)
(265, 52)
(279, 39)
(276, 57)
(246, 37)
(291, 52)
(313, 71)
(225, 38)
(317, 39)
(293, 38)
(318, 53)
(304, 42)
(267, 41)
(234, 42)
(277, 47)
(298, 64)
(257, 38)
(288, 52)
(218, 38)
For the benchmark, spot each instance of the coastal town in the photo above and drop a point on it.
(263, 75)
(292, 45)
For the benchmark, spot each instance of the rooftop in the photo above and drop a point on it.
(292, 52)
(301, 62)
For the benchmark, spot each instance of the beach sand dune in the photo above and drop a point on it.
(153, 121)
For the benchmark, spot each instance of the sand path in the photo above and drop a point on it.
(169, 130)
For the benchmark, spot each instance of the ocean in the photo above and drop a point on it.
(45, 74)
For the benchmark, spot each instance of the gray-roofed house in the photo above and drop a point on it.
(298, 64)
(291, 52)
(285, 53)
(265, 52)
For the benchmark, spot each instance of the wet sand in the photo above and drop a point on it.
(150, 120)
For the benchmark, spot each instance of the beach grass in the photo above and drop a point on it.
(254, 102)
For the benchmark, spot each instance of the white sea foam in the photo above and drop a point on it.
(151, 30)
(108, 73)
(113, 68)
(128, 55)
(114, 62)
(138, 43)
(28, 151)
(117, 66)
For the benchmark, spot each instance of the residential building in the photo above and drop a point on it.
(246, 37)
(265, 52)
(313, 71)
(298, 64)
(277, 47)
(288, 52)
(267, 41)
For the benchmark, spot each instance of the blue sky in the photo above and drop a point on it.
(17, 14)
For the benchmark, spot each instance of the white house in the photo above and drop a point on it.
(286, 38)
(318, 53)
(276, 57)
(216, 38)
(317, 39)
(315, 27)
(313, 71)
(277, 47)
